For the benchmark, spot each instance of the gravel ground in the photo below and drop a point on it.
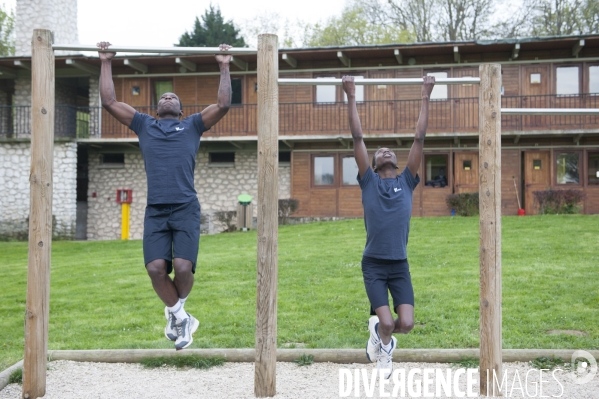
(68, 379)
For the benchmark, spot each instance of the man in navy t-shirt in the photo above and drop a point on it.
(387, 201)
(172, 221)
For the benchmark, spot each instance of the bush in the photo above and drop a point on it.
(464, 204)
(286, 208)
(226, 217)
(553, 202)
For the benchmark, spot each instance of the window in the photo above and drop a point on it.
(359, 91)
(467, 164)
(284, 156)
(536, 164)
(567, 168)
(435, 172)
(593, 168)
(535, 78)
(594, 79)
(221, 158)
(566, 81)
(439, 91)
(161, 87)
(236, 91)
(326, 93)
(112, 160)
(324, 171)
(350, 171)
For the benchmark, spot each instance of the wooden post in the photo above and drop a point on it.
(490, 227)
(268, 163)
(40, 215)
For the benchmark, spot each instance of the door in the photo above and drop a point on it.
(536, 177)
(535, 88)
(465, 168)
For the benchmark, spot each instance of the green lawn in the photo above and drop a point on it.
(101, 297)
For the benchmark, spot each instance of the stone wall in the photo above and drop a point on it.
(15, 163)
(217, 186)
(60, 16)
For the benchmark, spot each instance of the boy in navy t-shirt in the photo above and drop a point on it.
(172, 221)
(387, 201)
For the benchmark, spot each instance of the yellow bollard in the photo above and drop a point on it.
(125, 208)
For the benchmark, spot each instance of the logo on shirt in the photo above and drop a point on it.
(179, 128)
(396, 189)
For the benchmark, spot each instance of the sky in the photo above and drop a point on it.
(152, 23)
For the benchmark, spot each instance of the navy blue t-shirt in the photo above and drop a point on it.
(387, 212)
(169, 147)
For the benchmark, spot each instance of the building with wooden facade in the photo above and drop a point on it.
(316, 156)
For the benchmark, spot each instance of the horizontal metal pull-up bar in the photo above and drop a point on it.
(162, 50)
(389, 81)
(550, 111)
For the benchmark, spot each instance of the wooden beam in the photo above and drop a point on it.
(516, 51)
(517, 139)
(234, 144)
(345, 60)
(490, 227)
(267, 231)
(338, 356)
(40, 215)
(456, 140)
(239, 63)
(292, 62)
(288, 143)
(398, 56)
(577, 138)
(190, 66)
(577, 47)
(138, 66)
(398, 142)
(91, 69)
(23, 64)
(157, 50)
(456, 54)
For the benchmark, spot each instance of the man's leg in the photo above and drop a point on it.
(183, 281)
(162, 283)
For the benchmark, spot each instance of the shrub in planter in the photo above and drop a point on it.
(464, 204)
(552, 202)
(286, 208)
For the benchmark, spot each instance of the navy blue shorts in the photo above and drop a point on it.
(382, 276)
(172, 231)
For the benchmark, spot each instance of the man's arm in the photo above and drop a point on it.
(123, 113)
(215, 112)
(360, 152)
(415, 157)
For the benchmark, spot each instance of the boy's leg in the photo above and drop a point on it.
(183, 281)
(386, 323)
(162, 283)
(405, 319)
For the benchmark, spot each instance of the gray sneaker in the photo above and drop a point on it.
(170, 332)
(185, 330)
(385, 360)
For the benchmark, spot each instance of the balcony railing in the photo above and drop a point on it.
(454, 115)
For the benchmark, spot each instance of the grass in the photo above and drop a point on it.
(469, 363)
(16, 377)
(304, 360)
(101, 297)
(549, 363)
(189, 361)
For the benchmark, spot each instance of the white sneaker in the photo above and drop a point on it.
(170, 332)
(185, 330)
(373, 345)
(385, 360)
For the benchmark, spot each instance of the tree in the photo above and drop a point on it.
(7, 25)
(212, 31)
(358, 24)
